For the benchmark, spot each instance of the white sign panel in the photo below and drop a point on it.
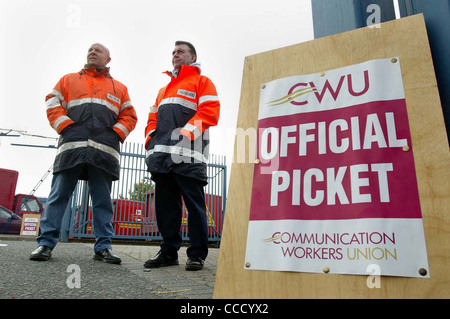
(335, 189)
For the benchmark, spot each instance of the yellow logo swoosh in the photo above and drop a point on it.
(268, 240)
(292, 96)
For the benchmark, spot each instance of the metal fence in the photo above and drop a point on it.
(133, 200)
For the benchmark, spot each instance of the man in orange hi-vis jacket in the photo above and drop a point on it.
(177, 151)
(92, 113)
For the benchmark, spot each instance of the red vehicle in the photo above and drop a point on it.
(10, 223)
(138, 217)
(134, 218)
(130, 218)
(17, 203)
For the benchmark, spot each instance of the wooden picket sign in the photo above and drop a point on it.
(404, 38)
(30, 225)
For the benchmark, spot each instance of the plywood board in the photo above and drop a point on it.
(406, 38)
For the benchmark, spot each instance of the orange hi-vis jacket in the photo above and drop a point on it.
(177, 136)
(92, 113)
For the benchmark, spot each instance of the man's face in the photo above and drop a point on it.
(98, 56)
(182, 56)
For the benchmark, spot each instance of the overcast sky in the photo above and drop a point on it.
(43, 40)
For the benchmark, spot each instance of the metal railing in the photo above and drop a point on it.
(133, 200)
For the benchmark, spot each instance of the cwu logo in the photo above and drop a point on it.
(296, 93)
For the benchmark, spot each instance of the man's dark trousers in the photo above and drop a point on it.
(170, 188)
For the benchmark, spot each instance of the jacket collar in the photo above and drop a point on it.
(92, 71)
(185, 70)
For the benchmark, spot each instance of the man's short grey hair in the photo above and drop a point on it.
(190, 46)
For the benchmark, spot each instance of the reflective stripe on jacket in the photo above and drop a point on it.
(177, 129)
(92, 113)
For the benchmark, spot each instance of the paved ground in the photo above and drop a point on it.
(21, 278)
(172, 291)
